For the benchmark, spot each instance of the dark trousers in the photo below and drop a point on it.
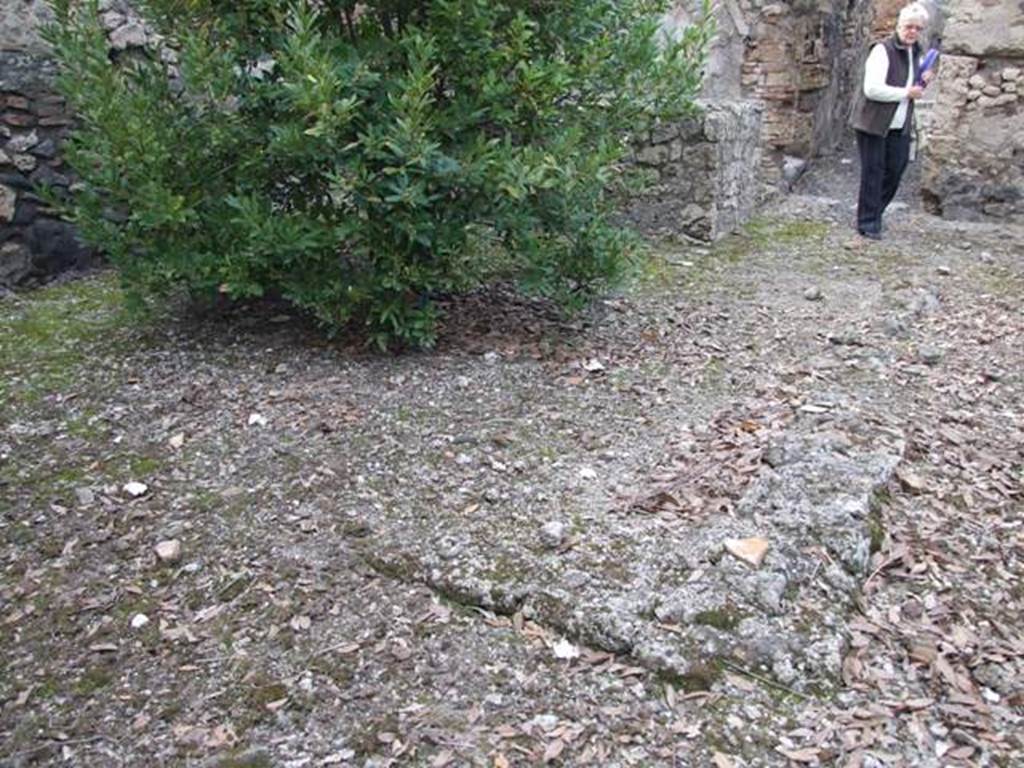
(882, 162)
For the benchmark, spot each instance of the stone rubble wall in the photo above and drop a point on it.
(34, 123)
(973, 162)
(702, 173)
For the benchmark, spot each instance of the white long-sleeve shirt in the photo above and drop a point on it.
(875, 88)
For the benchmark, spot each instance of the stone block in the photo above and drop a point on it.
(25, 214)
(130, 35)
(20, 119)
(664, 133)
(653, 155)
(15, 264)
(46, 149)
(777, 79)
(50, 110)
(22, 142)
(984, 28)
(15, 181)
(8, 201)
(20, 23)
(25, 163)
(46, 176)
(55, 247)
(111, 20)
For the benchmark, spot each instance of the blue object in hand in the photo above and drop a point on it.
(927, 63)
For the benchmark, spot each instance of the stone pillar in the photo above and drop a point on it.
(973, 162)
(702, 173)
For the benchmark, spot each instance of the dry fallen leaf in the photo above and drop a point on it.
(807, 755)
(23, 697)
(723, 760)
(273, 706)
(554, 749)
(442, 759)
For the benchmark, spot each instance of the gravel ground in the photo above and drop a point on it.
(365, 540)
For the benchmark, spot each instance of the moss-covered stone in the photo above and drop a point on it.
(726, 618)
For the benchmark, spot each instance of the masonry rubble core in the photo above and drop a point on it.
(777, 94)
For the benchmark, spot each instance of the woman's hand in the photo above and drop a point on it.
(928, 76)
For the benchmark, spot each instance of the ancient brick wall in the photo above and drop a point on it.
(800, 63)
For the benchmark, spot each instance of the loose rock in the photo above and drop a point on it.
(751, 551)
(813, 294)
(168, 551)
(553, 534)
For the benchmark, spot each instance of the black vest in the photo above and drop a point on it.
(874, 117)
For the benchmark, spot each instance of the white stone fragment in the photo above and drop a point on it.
(553, 534)
(751, 551)
(563, 649)
(168, 551)
(135, 489)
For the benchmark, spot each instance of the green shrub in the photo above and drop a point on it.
(360, 159)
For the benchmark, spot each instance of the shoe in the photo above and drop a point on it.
(870, 235)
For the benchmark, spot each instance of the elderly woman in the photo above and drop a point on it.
(883, 118)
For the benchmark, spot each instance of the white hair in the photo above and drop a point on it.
(911, 13)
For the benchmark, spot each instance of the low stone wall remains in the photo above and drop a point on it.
(702, 173)
(34, 122)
